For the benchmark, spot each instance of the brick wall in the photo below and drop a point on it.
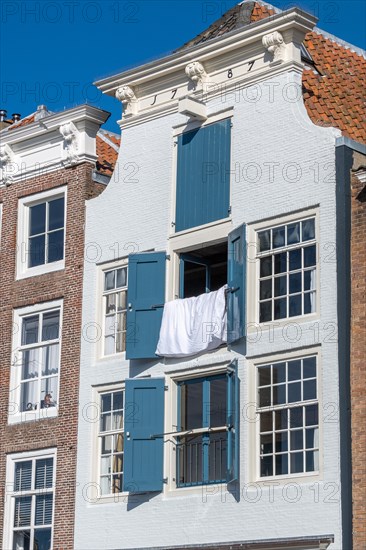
(358, 357)
(60, 432)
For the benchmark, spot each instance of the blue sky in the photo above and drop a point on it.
(51, 51)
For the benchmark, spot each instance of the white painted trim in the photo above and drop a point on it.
(11, 459)
(15, 417)
(24, 203)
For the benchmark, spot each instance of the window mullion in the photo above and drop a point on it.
(205, 436)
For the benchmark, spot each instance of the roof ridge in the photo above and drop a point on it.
(356, 49)
(108, 141)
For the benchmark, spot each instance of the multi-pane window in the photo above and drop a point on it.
(46, 232)
(203, 419)
(39, 360)
(288, 417)
(111, 442)
(287, 270)
(115, 308)
(32, 503)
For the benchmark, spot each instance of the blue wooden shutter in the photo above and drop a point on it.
(145, 297)
(233, 422)
(144, 419)
(236, 296)
(203, 175)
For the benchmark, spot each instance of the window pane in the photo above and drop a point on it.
(109, 278)
(117, 400)
(296, 420)
(42, 539)
(43, 515)
(56, 214)
(218, 405)
(281, 419)
(295, 283)
(117, 421)
(22, 540)
(22, 511)
(50, 362)
(266, 289)
(36, 251)
(105, 465)
(111, 303)
(280, 262)
(55, 246)
(309, 302)
(311, 415)
(121, 277)
(295, 305)
(264, 397)
(296, 440)
(309, 279)
(309, 367)
(49, 392)
(189, 456)
(106, 422)
(105, 488)
(264, 375)
(118, 447)
(266, 266)
(297, 462)
(309, 256)
(264, 240)
(281, 464)
(120, 342)
(294, 370)
(294, 392)
(51, 325)
(312, 438)
(279, 235)
(121, 300)
(279, 373)
(308, 230)
(280, 286)
(293, 233)
(44, 473)
(217, 457)
(295, 259)
(37, 219)
(279, 394)
(281, 442)
(29, 396)
(106, 444)
(267, 466)
(265, 312)
(117, 483)
(309, 389)
(280, 308)
(23, 476)
(191, 406)
(106, 402)
(267, 444)
(266, 421)
(30, 363)
(109, 345)
(30, 327)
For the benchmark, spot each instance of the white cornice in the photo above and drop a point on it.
(291, 19)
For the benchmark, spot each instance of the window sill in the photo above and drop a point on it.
(198, 490)
(32, 416)
(41, 270)
(280, 323)
(305, 477)
(200, 228)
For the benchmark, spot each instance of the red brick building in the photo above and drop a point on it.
(51, 163)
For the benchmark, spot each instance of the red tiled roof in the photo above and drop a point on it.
(23, 122)
(336, 96)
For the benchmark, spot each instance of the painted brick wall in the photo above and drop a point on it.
(135, 214)
(60, 432)
(358, 355)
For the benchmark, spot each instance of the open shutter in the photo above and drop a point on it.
(145, 297)
(144, 420)
(237, 285)
(233, 422)
(203, 175)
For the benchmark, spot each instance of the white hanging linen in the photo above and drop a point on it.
(193, 325)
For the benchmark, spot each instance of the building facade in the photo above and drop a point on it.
(51, 163)
(234, 171)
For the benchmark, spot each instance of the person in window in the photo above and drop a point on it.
(47, 401)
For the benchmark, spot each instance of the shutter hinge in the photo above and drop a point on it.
(166, 388)
(165, 480)
(173, 224)
(229, 210)
(167, 257)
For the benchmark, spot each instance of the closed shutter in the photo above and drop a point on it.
(236, 296)
(203, 175)
(233, 422)
(144, 426)
(145, 298)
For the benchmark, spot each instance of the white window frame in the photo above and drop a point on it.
(253, 265)
(14, 413)
(171, 419)
(24, 205)
(252, 418)
(11, 461)
(94, 491)
(102, 269)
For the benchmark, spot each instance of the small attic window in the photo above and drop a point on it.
(305, 56)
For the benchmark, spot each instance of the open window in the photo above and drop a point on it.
(201, 270)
